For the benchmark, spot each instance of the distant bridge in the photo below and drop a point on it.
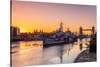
(92, 30)
(81, 34)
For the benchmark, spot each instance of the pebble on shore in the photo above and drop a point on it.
(86, 56)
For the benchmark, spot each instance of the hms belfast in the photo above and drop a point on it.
(60, 37)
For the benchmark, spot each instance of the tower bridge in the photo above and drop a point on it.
(81, 34)
(92, 30)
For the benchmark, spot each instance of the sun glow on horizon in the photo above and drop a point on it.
(30, 16)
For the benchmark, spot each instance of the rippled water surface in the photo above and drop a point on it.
(32, 53)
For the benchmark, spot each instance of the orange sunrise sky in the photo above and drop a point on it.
(30, 16)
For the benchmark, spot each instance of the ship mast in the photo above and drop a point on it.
(61, 27)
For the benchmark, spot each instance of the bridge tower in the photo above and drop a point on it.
(93, 30)
(81, 31)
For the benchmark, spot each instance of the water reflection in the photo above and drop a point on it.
(33, 53)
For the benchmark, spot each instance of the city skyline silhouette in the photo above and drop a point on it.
(29, 16)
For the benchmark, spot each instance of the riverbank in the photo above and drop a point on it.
(86, 56)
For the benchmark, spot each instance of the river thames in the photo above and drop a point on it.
(32, 53)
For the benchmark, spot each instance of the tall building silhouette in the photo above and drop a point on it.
(14, 31)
